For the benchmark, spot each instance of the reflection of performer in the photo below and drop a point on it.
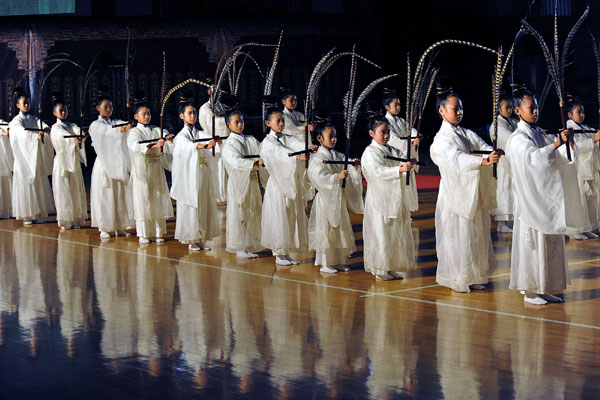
(9, 282)
(115, 282)
(72, 262)
(391, 348)
(35, 298)
(204, 328)
(155, 284)
(251, 350)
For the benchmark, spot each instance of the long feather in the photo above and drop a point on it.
(363, 95)
(311, 82)
(163, 79)
(550, 62)
(408, 85)
(176, 88)
(569, 39)
(597, 57)
(350, 95)
(271, 73)
(126, 70)
(544, 93)
(556, 54)
(247, 56)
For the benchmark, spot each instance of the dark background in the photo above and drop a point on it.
(383, 31)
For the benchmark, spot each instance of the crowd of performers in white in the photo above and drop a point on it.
(539, 196)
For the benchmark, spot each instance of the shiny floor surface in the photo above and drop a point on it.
(81, 318)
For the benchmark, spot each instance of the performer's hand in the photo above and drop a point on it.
(47, 130)
(169, 137)
(40, 135)
(500, 151)
(406, 167)
(597, 136)
(415, 142)
(311, 127)
(260, 162)
(303, 156)
(314, 148)
(356, 163)
(77, 141)
(211, 143)
(160, 143)
(126, 128)
(344, 174)
(491, 159)
(4, 132)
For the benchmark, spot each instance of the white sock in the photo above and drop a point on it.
(104, 235)
(143, 240)
(194, 247)
(242, 254)
(160, 240)
(384, 277)
(291, 260)
(591, 235)
(503, 228)
(65, 228)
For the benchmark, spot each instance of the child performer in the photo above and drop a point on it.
(504, 196)
(217, 169)
(31, 193)
(539, 168)
(284, 223)
(467, 193)
(6, 167)
(294, 120)
(388, 240)
(67, 179)
(244, 203)
(588, 165)
(151, 200)
(110, 175)
(398, 130)
(329, 228)
(197, 218)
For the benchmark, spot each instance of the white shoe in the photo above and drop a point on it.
(551, 298)
(27, 223)
(578, 236)
(282, 260)
(385, 277)
(328, 270)
(251, 254)
(395, 275)
(76, 227)
(591, 235)
(477, 286)
(143, 240)
(503, 228)
(66, 228)
(203, 246)
(291, 260)
(104, 235)
(534, 299)
(342, 268)
(160, 240)
(122, 233)
(194, 247)
(243, 254)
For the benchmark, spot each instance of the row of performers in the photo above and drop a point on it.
(129, 175)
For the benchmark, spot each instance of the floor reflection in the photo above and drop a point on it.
(116, 320)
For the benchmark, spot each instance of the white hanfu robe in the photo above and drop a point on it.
(284, 223)
(244, 202)
(504, 196)
(110, 195)
(545, 190)
(398, 129)
(6, 167)
(387, 235)
(151, 200)
(197, 217)
(217, 169)
(462, 214)
(67, 178)
(588, 166)
(294, 123)
(329, 227)
(31, 193)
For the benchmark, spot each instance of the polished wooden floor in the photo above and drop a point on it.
(81, 318)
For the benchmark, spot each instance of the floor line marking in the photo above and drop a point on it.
(457, 306)
(584, 261)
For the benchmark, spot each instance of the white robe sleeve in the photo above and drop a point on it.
(384, 181)
(110, 145)
(281, 167)
(185, 169)
(66, 149)
(24, 146)
(325, 178)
